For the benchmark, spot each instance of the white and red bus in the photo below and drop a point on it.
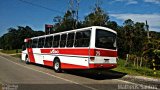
(86, 48)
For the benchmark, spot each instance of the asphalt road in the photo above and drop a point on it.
(16, 75)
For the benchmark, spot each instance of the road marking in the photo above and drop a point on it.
(125, 81)
(50, 74)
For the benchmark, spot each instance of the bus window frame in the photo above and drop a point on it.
(46, 41)
(89, 38)
(115, 48)
(65, 40)
(36, 43)
(41, 43)
(57, 41)
(73, 39)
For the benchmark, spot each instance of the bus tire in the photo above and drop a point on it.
(57, 65)
(27, 60)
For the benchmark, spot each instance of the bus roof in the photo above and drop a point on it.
(81, 29)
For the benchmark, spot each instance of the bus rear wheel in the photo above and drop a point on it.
(57, 66)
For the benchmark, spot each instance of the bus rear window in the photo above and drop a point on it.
(105, 39)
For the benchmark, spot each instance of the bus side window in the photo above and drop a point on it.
(78, 39)
(56, 41)
(48, 41)
(86, 38)
(70, 40)
(82, 39)
(63, 40)
(34, 43)
(41, 42)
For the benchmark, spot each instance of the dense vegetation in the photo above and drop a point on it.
(14, 39)
(132, 37)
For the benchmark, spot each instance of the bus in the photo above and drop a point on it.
(86, 48)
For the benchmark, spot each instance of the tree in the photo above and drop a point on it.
(139, 38)
(131, 38)
(113, 25)
(57, 19)
(14, 39)
(128, 33)
(96, 18)
(66, 23)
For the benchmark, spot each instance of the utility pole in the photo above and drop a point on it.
(74, 9)
(77, 10)
(71, 9)
(97, 4)
(147, 28)
(71, 6)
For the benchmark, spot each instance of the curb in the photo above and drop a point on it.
(142, 80)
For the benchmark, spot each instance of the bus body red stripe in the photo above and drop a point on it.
(48, 63)
(30, 54)
(84, 52)
(71, 66)
(67, 51)
(106, 53)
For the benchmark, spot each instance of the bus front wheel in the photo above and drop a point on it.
(57, 66)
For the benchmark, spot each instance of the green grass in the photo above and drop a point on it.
(133, 70)
(17, 55)
(11, 51)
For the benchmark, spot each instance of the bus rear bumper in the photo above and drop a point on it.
(105, 66)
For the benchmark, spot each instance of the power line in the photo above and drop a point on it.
(37, 5)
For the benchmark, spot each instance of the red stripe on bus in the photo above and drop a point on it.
(106, 53)
(93, 52)
(71, 66)
(46, 50)
(66, 51)
(31, 56)
(48, 63)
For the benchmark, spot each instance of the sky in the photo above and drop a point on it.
(37, 13)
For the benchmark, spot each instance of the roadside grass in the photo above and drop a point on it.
(11, 51)
(17, 55)
(14, 53)
(133, 70)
